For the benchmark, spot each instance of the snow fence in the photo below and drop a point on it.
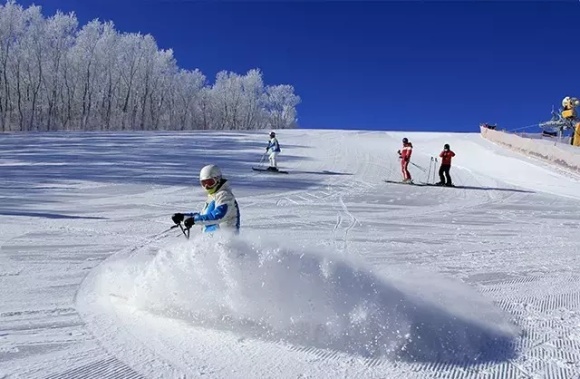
(561, 154)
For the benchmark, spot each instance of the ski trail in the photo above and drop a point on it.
(103, 369)
(359, 187)
(351, 224)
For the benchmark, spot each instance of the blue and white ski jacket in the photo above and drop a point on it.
(221, 211)
(273, 145)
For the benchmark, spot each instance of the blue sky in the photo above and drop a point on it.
(387, 65)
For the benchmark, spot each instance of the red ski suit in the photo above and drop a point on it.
(405, 155)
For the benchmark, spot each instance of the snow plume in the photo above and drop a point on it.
(313, 298)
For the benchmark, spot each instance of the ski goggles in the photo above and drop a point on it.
(208, 183)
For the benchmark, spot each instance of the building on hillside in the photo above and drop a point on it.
(488, 126)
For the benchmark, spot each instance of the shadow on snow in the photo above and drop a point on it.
(167, 158)
(48, 215)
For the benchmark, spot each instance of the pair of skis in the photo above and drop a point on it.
(429, 181)
(262, 169)
(418, 184)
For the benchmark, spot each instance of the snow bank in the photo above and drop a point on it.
(563, 155)
(314, 298)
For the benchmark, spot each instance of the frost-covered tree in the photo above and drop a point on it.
(55, 75)
(280, 105)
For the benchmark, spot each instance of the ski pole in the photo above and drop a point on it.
(170, 229)
(434, 169)
(419, 167)
(262, 159)
(185, 231)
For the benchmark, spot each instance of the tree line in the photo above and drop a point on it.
(55, 76)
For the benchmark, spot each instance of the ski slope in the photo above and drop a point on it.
(337, 274)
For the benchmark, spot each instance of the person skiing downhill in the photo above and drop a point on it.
(221, 211)
(444, 177)
(273, 149)
(405, 157)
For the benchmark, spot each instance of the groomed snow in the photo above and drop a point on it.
(336, 273)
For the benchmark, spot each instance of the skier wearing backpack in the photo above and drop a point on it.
(444, 177)
(221, 211)
(273, 149)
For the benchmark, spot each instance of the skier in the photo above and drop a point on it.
(405, 157)
(273, 149)
(446, 155)
(221, 211)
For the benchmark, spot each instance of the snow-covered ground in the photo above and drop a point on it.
(336, 273)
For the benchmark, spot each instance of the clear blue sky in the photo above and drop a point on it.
(415, 65)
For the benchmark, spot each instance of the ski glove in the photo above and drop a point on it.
(188, 223)
(177, 218)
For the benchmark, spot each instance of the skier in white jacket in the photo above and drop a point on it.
(221, 210)
(273, 149)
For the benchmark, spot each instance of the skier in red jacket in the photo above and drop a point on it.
(446, 155)
(405, 157)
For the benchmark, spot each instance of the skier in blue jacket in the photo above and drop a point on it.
(221, 211)
(273, 149)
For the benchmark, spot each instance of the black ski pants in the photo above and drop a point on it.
(444, 174)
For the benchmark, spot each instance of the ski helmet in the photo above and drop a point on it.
(210, 177)
(446, 146)
(566, 101)
(405, 140)
(272, 134)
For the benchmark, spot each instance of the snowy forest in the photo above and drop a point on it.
(58, 76)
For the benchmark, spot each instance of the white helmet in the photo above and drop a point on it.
(210, 177)
(566, 101)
